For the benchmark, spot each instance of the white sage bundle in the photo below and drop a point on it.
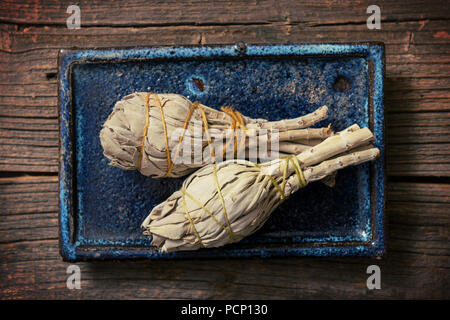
(139, 133)
(225, 202)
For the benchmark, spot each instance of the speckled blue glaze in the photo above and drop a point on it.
(102, 207)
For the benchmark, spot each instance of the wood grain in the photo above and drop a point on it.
(417, 82)
(169, 13)
(415, 267)
(417, 104)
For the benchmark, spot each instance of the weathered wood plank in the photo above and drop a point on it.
(162, 13)
(28, 158)
(416, 265)
(28, 194)
(38, 64)
(256, 279)
(432, 127)
(404, 35)
(418, 160)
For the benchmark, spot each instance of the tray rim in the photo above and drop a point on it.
(71, 251)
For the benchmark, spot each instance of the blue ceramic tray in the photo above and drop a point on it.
(102, 207)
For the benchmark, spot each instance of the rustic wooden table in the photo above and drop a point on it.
(417, 102)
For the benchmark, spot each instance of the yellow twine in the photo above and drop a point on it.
(298, 171)
(222, 201)
(166, 138)
(147, 122)
(227, 228)
(194, 106)
(144, 136)
(233, 237)
(191, 221)
(237, 121)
